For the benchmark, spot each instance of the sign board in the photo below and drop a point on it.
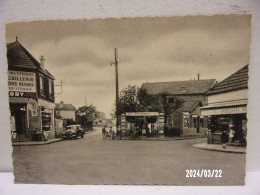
(222, 111)
(142, 114)
(21, 84)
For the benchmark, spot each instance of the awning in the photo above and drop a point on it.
(222, 108)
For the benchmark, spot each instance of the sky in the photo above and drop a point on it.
(150, 49)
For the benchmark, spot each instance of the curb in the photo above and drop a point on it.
(219, 150)
(33, 144)
(40, 142)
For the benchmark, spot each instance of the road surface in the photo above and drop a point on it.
(92, 160)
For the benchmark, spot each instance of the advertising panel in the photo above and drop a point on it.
(21, 84)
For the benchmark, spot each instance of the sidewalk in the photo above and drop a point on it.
(32, 143)
(164, 138)
(36, 142)
(219, 148)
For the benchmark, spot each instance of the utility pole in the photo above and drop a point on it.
(60, 85)
(117, 93)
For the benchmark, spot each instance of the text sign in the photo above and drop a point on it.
(20, 81)
(221, 111)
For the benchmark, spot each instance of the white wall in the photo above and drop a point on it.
(67, 114)
(230, 96)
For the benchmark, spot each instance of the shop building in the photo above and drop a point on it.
(187, 119)
(31, 94)
(148, 124)
(227, 106)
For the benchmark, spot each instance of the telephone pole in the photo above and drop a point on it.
(117, 93)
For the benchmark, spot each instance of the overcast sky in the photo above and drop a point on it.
(79, 52)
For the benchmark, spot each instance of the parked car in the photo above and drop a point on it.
(73, 132)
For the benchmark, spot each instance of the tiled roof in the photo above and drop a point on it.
(189, 106)
(65, 107)
(238, 80)
(179, 87)
(19, 57)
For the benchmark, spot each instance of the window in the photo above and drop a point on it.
(183, 89)
(46, 121)
(51, 95)
(171, 100)
(42, 85)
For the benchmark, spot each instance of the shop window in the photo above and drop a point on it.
(46, 121)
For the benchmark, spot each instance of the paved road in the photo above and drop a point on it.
(92, 160)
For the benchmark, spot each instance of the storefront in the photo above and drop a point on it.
(31, 95)
(226, 116)
(149, 124)
(227, 107)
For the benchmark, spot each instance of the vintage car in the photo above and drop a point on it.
(73, 132)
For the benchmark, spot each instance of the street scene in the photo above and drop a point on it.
(93, 161)
(136, 101)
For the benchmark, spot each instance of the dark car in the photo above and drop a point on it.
(73, 132)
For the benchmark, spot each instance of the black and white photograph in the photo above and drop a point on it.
(130, 101)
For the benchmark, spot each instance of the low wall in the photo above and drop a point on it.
(59, 128)
(189, 132)
(203, 131)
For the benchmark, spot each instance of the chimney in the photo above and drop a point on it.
(198, 76)
(42, 62)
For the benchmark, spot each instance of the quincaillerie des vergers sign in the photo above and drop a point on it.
(21, 84)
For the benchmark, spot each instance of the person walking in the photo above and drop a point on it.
(231, 134)
(104, 132)
(110, 132)
(224, 139)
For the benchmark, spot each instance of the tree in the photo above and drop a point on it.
(127, 101)
(166, 106)
(133, 99)
(86, 115)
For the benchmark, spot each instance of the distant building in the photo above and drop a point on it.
(193, 92)
(227, 104)
(101, 120)
(31, 94)
(65, 111)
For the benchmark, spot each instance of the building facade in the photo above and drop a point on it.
(187, 119)
(31, 95)
(227, 106)
(65, 111)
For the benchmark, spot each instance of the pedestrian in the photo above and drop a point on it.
(231, 134)
(104, 132)
(224, 139)
(110, 132)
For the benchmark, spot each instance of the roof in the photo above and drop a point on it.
(19, 57)
(179, 87)
(68, 107)
(236, 81)
(190, 105)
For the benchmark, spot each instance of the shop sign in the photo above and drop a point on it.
(222, 111)
(20, 83)
(18, 100)
(141, 113)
